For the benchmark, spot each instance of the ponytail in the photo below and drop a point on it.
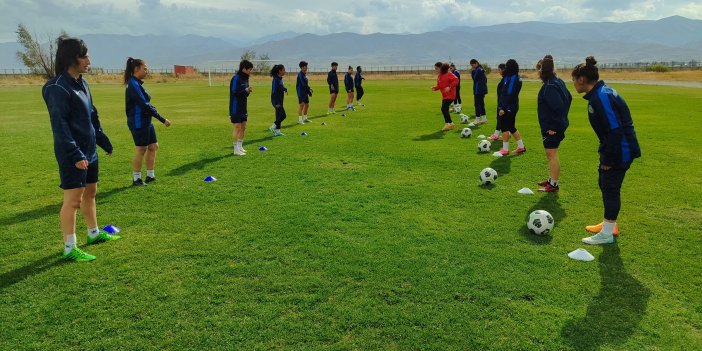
(588, 70)
(132, 64)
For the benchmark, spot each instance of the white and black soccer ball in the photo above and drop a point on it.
(540, 222)
(484, 146)
(465, 118)
(466, 133)
(488, 176)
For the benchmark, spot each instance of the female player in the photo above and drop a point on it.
(611, 120)
(303, 93)
(278, 91)
(348, 85)
(446, 82)
(139, 112)
(509, 106)
(501, 70)
(480, 89)
(553, 105)
(239, 90)
(76, 130)
(358, 81)
(333, 83)
(457, 105)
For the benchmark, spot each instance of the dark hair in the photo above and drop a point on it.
(474, 61)
(245, 64)
(438, 64)
(349, 67)
(276, 69)
(444, 68)
(546, 68)
(588, 70)
(501, 67)
(68, 50)
(334, 64)
(511, 67)
(302, 64)
(358, 68)
(132, 64)
(452, 65)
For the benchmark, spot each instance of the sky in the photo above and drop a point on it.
(252, 19)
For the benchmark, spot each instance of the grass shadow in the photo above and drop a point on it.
(53, 209)
(432, 136)
(503, 165)
(613, 315)
(549, 202)
(199, 164)
(19, 274)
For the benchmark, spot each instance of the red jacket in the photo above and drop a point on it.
(447, 79)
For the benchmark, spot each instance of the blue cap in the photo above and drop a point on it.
(210, 179)
(111, 229)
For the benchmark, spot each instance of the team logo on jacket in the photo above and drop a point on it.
(590, 109)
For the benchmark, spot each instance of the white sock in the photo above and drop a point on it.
(70, 243)
(484, 118)
(299, 118)
(304, 117)
(552, 182)
(150, 173)
(136, 175)
(505, 145)
(520, 143)
(240, 143)
(608, 227)
(93, 232)
(497, 132)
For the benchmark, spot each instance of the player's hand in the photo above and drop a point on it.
(249, 89)
(433, 89)
(605, 167)
(551, 132)
(167, 123)
(501, 113)
(108, 154)
(447, 89)
(82, 164)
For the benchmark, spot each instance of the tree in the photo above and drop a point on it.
(37, 57)
(249, 55)
(261, 64)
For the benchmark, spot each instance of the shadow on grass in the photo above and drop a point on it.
(433, 136)
(17, 275)
(549, 202)
(53, 209)
(199, 164)
(614, 314)
(503, 165)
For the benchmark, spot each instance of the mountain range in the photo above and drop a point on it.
(669, 39)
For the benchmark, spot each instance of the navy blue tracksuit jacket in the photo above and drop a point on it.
(74, 120)
(358, 80)
(238, 95)
(348, 82)
(553, 105)
(333, 81)
(278, 91)
(302, 85)
(611, 120)
(138, 106)
(509, 97)
(479, 81)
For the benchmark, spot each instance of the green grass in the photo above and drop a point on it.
(370, 233)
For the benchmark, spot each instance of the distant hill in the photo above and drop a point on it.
(670, 39)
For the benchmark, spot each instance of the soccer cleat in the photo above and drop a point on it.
(306, 120)
(102, 237)
(493, 137)
(272, 129)
(544, 183)
(149, 179)
(549, 189)
(300, 122)
(598, 228)
(504, 152)
(239, 152)
(599, 239)
(277, 132)
(138, 182)
(78, 255)
(447, 127)
(329, 113)
(520, 150)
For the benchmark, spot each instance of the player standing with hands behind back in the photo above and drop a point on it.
(303, 93)
(333, 83)
(76, 130)
(239, 90)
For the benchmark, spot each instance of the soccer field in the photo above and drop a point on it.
(371, 232)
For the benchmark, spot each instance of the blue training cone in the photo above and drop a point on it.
(303, 133)
(111, 229)
(343, 115)
(324, 123)
(210, 179)
(262, 148)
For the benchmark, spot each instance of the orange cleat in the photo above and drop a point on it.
(598, 227)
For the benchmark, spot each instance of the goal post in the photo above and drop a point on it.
(226, 68)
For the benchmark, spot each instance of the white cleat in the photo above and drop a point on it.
(599, 239)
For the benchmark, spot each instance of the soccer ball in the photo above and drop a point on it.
(466, 132)
(488, 176)
(483, 146)
(540, 222)
(465, 119)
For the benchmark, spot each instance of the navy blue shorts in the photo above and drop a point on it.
(144, 136)
(552, 141)
(303, 99)
(334, 91)
(239, 119)
(74, 178)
